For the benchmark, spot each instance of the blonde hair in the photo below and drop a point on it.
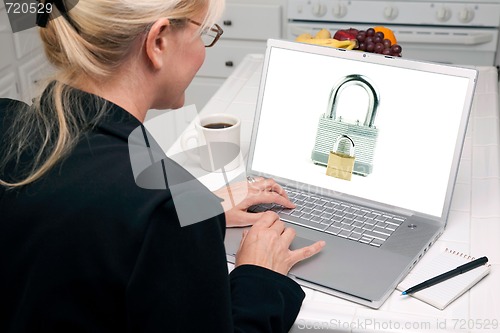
(94, 44)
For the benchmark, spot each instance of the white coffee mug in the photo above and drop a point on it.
(218, 142)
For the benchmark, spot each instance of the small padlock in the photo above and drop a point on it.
(364, 134)
(341, 163)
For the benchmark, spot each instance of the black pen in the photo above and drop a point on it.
(445, 276)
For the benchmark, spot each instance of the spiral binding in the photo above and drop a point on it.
(462, 255)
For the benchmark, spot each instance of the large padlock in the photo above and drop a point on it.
(331, 127)
(341, 160)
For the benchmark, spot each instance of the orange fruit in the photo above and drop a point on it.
(388, 33)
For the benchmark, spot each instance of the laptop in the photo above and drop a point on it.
(378, 223)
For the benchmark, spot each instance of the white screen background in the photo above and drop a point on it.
(417, 119)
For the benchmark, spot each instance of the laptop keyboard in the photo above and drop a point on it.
(336, 217)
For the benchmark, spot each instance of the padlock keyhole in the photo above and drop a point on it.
(352, 104)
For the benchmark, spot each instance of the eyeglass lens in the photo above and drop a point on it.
(211, 35)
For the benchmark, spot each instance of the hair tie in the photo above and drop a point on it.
(42, 16)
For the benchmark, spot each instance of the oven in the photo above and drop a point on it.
(448, 31)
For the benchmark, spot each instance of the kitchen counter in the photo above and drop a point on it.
(473, 228)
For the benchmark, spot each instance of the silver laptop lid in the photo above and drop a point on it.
(416, 114)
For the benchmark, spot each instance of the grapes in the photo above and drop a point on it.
(373, 41)
(361, 37)
(396, 49)
(379, 47)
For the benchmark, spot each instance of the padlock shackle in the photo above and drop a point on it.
(337, 143)
(360, 80)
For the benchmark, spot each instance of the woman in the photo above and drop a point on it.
(82, 247)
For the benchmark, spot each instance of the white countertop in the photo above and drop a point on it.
(473, 227)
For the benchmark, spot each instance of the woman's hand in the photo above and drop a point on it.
(240, 196)
(267, 244)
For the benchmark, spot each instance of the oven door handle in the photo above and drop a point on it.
(444, 38)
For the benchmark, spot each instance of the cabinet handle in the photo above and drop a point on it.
(229, 63)
(228, 23)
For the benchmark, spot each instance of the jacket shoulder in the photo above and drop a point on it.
(8, 104)
(8, 107)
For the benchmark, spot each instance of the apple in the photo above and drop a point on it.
(346, 34)
(353, 31)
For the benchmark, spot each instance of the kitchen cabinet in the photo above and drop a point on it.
(247, 26)
(8, 85)
(22, 62)
(8, 78)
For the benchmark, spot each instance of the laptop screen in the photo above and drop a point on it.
(417, 127)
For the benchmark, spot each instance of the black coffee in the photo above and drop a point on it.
(218, 125)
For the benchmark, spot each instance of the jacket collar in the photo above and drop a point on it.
(115, 120)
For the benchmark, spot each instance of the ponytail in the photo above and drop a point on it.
(89, 42)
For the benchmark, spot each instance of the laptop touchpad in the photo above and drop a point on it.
(300, 242)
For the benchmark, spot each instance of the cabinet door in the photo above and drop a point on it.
(251, 22)
(8, 85)
(221, 60)
(7, 56)
(33, 74)
(27, 42)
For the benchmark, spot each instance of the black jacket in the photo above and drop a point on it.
(84, 249)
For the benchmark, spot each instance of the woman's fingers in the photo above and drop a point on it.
(306, 252)
(267, 244)
(288, 235)
(298, 255)
(246, 194)
(269, 185)
(266, 192)
(267, 220)
(278, 226)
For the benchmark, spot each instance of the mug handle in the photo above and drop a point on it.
(185, 138)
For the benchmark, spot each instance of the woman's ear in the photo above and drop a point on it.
(156, 42)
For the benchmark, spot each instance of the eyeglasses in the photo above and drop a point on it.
(211, 35)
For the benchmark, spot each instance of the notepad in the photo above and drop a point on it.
(442, 294)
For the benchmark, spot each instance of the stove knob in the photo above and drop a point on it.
(339, 10)
(443, 14)
(466, 15)
(319, 10)
(391, 12)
